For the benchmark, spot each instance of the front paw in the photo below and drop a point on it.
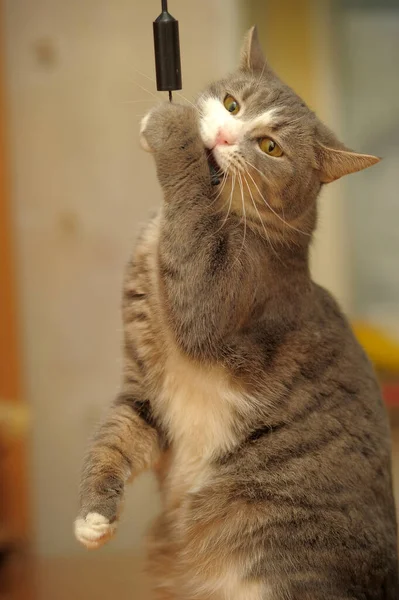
(101, 500)
(167, 122)
(94, 530)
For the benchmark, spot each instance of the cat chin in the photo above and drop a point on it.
(94, 530)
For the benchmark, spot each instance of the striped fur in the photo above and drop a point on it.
(244, 388)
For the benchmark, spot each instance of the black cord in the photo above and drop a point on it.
(165, 9)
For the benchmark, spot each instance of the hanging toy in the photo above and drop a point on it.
(167, 60)
(167, 52)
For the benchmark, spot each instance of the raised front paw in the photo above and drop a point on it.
(94, 530)
(100, 504)
(168, 123)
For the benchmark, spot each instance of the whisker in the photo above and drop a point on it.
(230, 203)
(268, 238)
(186, 99)
(225, 177)
(145, 75)
(175, 92)
(282, 210)
(145, 90)
(260, 76)
(267, 203)
(244, 214)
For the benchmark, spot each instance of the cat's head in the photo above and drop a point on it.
(272, 149)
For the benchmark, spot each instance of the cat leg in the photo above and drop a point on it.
(161, 560)
(125, 444)
(197, 262)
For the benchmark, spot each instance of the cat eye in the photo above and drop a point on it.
(231, 104)
(269, 146)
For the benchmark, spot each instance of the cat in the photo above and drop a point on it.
(243, 387)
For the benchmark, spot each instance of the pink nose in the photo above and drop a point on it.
(224, 138)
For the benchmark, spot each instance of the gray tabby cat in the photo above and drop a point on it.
(244, 388)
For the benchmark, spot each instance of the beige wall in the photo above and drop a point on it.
(81, 189)
(330, 257)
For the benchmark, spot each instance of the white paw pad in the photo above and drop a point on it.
(94, 530)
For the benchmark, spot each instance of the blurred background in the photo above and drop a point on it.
(75, 79)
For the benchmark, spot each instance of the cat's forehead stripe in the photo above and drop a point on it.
(266, 119)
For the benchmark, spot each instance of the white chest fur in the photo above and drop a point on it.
(199, 408)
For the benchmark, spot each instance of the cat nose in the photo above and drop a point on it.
(225, 138)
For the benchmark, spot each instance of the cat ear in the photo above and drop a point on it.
(334, 163)
(252, 57)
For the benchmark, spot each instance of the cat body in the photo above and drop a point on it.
(243, 385)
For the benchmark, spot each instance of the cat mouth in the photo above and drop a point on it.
(214, 168)
(213, 163)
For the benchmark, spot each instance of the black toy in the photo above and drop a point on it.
(167, 61)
